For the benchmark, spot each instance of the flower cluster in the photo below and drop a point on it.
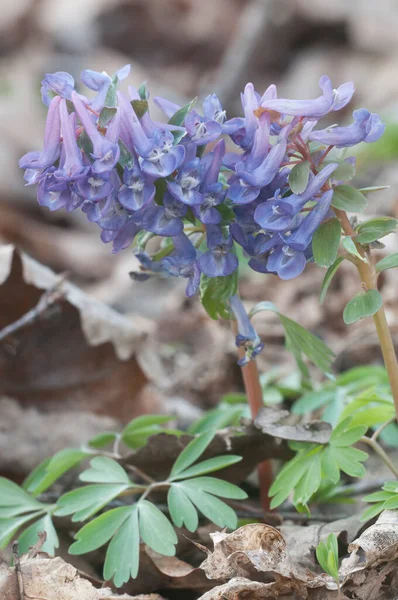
(138, 178)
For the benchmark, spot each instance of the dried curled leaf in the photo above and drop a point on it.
(275, 422)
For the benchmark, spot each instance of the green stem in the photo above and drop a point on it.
(380, 452)
(369, 281)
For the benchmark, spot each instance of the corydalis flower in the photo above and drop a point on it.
(331, 100)
(219, 260)
(247, 336)
(367, 127)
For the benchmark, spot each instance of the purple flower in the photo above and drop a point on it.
(182, 263)
(279, 213)
(163, 158)
(285, 262)
(330, 100)
(96, 186)
(60, 84)
(164, 220)
(247, 336)
(121, 238)
(52, 141)
(219, 260)
(200, 130)
(186, 184)
(367, 127)
(137, 190)
(302, 236)
(101, 82)
(249, 183)
(213, 111)
(71, 164)
(105, 153)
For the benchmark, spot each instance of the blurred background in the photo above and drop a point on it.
(187, 48)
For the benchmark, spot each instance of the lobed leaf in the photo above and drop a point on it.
(325, 243)
(364, 304)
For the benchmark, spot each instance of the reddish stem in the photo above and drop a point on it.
(254, 394)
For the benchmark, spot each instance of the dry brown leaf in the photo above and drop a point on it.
(259, 551)
(377, 544)
(275, 422)
(239, 588)
(80, 354)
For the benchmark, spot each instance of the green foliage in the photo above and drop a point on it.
(298, 177)
(362, 305)
(386, 499)
(374, 229)
(388, 262)
(325, 243)
(330, 273)
(51, 469)
(361, 393)
(136, 433)
(327, 554)
(347, 198)
(316, 463)
(301, 341)
(215, 293)
(17, 509)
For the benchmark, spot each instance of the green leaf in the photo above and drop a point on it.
(195, 448)
(9, 527)
(392, 503)
(84, 502)
(375, 229)
(349, 460)
(103, 439)
(30, 536)
(380, 496)
(136, 433)
(330, 273)
(347, 198)
(391, 486)
(298, 177)
(372, 511)
(143, 91)
(374, 188)
(179, 117)
(388, 262)
(106, 116)
(14, 496)
(346, 435)
(214, 509)
(364, 304)
(309, 482)
(100, 530)
(35, 476)
(312, 401)
(218, 418)
(182, 511)
(330, 468)
(123, 553)
(344, 172)
(156, 530)
(305, 341)
(105, 470)
(349, 245)
(290, 474)
(140, 107)
(215, 293)
(217, 487)
(325, 243)
(111, 97)
(322, 554)
(59, 464)
(207, 466)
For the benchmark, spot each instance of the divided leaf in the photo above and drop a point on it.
(84, 502)
(105, 470)
(136, 433)
(50, 470)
